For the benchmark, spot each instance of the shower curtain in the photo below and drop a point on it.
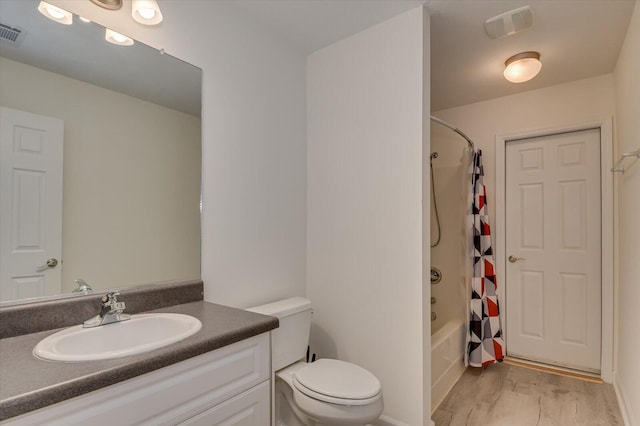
(484, 337)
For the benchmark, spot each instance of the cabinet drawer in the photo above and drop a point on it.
(166, 396)
(251, 408)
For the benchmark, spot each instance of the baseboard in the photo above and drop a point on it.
(388, 421)
(554, 369)
(626, 414)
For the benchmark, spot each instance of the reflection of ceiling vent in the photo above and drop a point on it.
(11, 34)
(509, 23)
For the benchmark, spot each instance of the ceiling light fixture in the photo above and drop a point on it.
(146, 12)
(108, 4)
(522, 67)
(117, 38)
(55, 13)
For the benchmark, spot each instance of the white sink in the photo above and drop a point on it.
(141, 333)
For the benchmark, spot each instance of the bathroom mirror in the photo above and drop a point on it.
(131, 166)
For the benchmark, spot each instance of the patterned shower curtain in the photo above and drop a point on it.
(484, 339)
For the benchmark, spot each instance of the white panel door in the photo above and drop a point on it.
(553, 245)
(31, 152)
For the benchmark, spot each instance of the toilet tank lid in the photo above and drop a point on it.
(283, 308)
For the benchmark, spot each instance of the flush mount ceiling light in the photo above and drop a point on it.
(117, 38)
(108, 4)
(522, 67)
(146, 12)
(55, 13)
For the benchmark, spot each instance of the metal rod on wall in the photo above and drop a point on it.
(455, 129)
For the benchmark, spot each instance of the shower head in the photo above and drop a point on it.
(433, 156)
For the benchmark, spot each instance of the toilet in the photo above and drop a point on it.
(327, 392)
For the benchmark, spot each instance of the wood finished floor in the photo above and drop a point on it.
(507, 395)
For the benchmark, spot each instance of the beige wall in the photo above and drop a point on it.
(131, 186)
(565, 104)
(627, 128)
(364, 243)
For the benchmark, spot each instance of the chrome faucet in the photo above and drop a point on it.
(83, 287)
(110, 311)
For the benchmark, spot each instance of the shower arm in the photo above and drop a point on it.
(460, 132)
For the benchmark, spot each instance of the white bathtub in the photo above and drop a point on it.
(447, 360)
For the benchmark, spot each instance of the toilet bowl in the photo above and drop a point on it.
(326, 392)
(315, 392)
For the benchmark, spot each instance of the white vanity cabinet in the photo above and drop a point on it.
(229, 386)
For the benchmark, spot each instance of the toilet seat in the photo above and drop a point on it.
(338, 382)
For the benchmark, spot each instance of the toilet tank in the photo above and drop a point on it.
(289, 341)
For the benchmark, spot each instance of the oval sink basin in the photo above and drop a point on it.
(141, 333)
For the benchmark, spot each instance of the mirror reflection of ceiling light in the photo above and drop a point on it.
(55, 13)
(117, 38)
(522, 67)
(146, 12)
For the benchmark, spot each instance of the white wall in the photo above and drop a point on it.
(364, 245)
(253, 153)
(565, 104)
(627, 127)
(131, 186)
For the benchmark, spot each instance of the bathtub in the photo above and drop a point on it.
(447, 359)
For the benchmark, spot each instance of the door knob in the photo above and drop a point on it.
(50, 263)
(514, 259)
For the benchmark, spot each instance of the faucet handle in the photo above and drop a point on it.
(109, 299)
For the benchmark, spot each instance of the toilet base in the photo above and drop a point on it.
(285, 415)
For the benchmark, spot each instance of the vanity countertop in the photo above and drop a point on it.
(28, 383)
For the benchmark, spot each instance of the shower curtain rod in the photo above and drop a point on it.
(460, 132)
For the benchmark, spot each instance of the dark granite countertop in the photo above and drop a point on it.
(28, 383)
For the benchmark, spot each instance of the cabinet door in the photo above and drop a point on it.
(250, 408)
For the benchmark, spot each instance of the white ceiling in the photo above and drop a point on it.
(313, 24)
(576, 38)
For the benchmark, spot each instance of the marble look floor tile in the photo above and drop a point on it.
(507, 395)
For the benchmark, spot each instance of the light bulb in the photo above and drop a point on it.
(147, 13)
(117, 38)
(55, 12)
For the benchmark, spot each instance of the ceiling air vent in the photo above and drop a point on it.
(11, 34)
(509, 23)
